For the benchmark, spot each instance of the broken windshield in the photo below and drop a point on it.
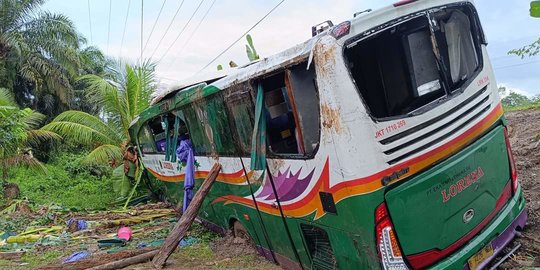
(409, 65)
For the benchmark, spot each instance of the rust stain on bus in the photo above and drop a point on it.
(325, 59)
(331, 118)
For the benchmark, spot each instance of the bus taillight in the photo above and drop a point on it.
(513, 171)
(387, 244)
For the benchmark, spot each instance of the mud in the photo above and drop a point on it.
(525, 140)
(230, 246)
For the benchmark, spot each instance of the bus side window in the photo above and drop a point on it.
(208, 126)
(238, 101)
(292, 111)
(152, 137)
(218, 122)
(146, 140)
(200, 141)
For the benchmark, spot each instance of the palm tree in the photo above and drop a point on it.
(121, 98)
(38, 50)
(19, 134)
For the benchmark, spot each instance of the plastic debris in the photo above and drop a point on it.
(77, 256)
(77, 225)
(112, 242)
(125, 233)
(188, 241)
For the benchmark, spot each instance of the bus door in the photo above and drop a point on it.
(291, 110)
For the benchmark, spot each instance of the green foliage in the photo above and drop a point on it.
(37, 47)
(121, 98)
(535, 9)
(18, 135)
(515, 100)
(121, 184)
(69, 182)
(250, 49)
(528, 50)
(250, 52)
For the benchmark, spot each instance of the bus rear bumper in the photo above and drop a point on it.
(501, 241)
(499, 234)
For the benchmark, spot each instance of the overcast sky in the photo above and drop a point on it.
(507, 25)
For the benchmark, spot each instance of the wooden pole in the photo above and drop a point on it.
(180, 229)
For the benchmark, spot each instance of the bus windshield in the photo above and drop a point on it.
(411, 64)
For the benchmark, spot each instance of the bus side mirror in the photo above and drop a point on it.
(535, 9)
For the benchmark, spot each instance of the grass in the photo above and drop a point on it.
(69, 183)
(522, 107)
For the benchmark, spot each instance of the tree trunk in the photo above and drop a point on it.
(180, 229)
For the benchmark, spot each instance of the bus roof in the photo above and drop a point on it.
(218, 80)
(206, 77)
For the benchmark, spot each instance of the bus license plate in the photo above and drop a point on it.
(480, 256)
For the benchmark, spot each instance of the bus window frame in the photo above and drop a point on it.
(253, 83)
(479, 37)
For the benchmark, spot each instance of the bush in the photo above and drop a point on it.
(68, 182)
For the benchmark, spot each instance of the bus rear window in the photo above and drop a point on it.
(409, 65)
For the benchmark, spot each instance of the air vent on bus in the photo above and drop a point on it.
(447, 119)
(322, 255)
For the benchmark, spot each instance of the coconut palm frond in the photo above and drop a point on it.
(84, 128)
(25, 159)
(33, 119)
(103, 154)
(102, 92)
(39, 136)
(6, 98)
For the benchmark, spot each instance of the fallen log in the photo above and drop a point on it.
(98, 259)
(180, 229)
(142, 258)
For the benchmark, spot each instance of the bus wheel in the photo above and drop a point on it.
(240, 232)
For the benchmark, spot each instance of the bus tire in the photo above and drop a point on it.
(240, 232)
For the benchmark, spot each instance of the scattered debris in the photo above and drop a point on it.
(77, 256)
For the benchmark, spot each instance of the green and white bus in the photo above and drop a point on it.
(384, 140)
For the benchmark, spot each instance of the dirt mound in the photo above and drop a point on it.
(525, 140)
(230, 246)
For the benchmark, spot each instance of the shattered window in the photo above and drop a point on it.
(208, 126)
(409, 65)
(292, 111)
(218, 122)
(461, 54)
(146, 141)
(198, 136)
(241, 107)
(153, 135)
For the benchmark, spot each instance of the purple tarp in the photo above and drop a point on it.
(184, 153)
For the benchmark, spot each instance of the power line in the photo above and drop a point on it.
(109, 27)
(142, 34)
(154, 26)
(245, 33)
(125, 26)
(181, 31)
(192, 34)
(167, 30)
(90, 21)
(516, 65)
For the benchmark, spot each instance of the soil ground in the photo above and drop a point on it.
(525, 140)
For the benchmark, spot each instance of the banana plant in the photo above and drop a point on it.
(250, 51)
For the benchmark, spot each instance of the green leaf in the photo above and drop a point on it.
(121, 184)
